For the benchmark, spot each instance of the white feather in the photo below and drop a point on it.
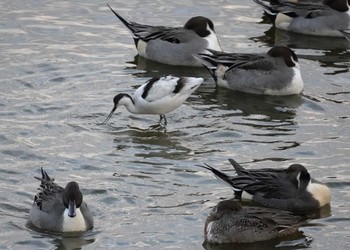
(75, 224)
(213, 42)
(320, 192)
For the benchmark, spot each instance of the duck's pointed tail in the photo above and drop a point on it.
(269, 10)
(125, 22)
(208, 62)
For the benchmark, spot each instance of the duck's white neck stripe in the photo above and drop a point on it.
(75, 224)
(213, 42)
(298, 180)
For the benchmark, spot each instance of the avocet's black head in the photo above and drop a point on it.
(116, 101)
(72, 198)
(199, 25)
(288, 55)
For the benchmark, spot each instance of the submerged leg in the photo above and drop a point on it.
(161, 123)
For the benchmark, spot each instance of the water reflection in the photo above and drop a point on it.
(150, 68)
(282, 108)
(270, 116)
(151, 143)
(275, 36)
(63, 243)
(66, 240)
(295, 241)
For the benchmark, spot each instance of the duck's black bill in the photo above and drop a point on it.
(109, 116)
(72, 208)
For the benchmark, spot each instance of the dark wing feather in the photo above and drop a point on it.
(255, 173)
(291, 9)
(148, 32)
(47, 189)
(235, 59)
(217, 173)
(260, 64)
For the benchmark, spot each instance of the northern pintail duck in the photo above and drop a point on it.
(274, 73)
(157, 96)
(58, 209)
(310, 18)
(229, 222)
(290, 189)
(173, 45)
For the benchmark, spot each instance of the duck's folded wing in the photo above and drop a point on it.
(291, 9)
(45, 199)
(255, 173)
(261, 64)
(268, 186)
(148, 33)
(235, 59)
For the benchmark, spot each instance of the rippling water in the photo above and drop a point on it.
(63, 61)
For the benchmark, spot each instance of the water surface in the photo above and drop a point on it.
(63, 61)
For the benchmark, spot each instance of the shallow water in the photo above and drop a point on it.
(63, 61)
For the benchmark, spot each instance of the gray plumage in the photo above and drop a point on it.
(274, 73)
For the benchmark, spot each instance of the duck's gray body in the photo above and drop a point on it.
(173, 45)
(274, 73)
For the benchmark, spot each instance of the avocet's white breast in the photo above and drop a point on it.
(75, 224)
